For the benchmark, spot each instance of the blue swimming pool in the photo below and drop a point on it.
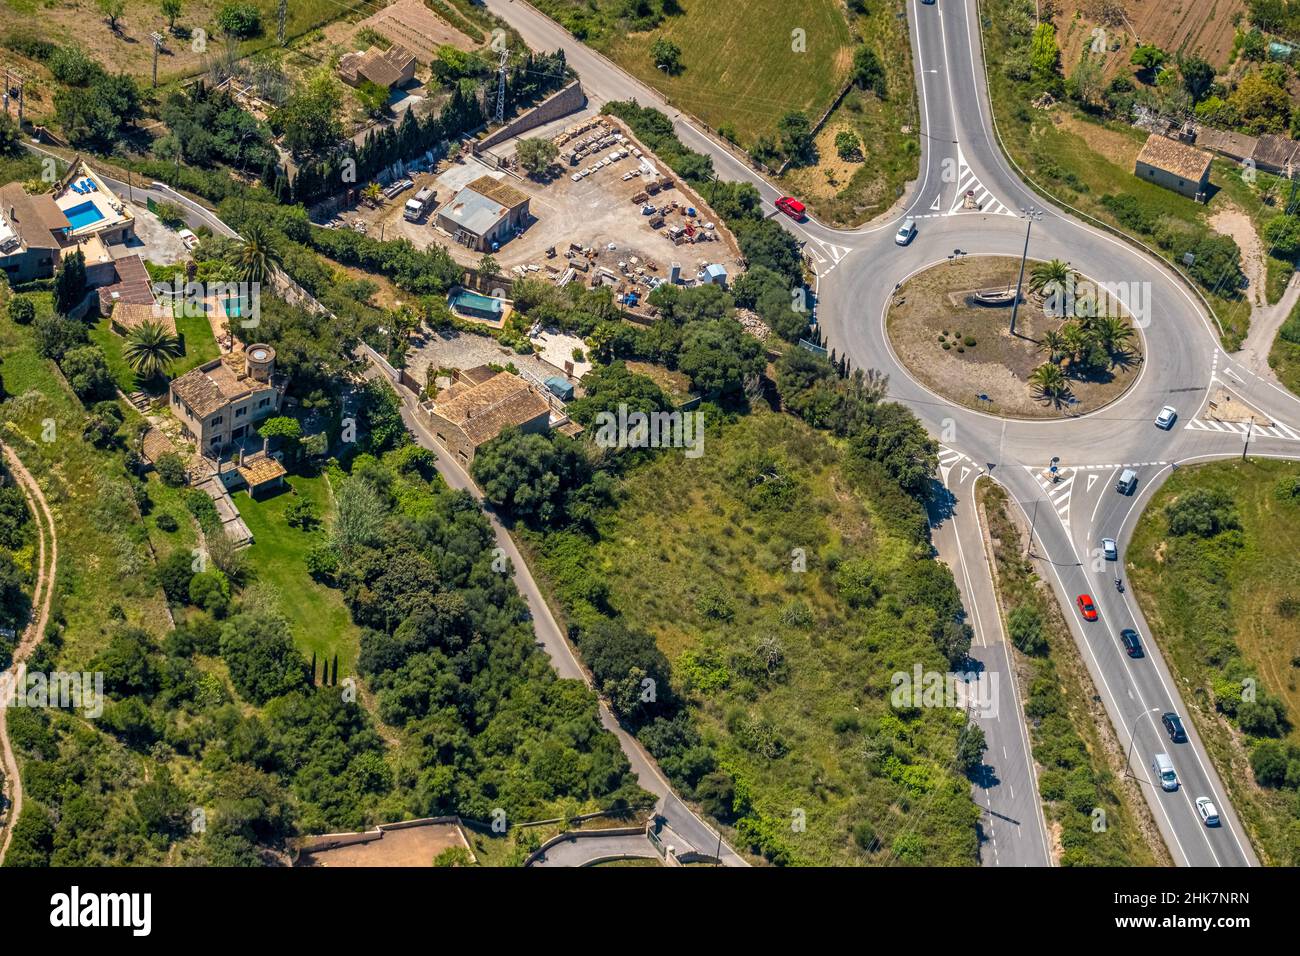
(83, 214)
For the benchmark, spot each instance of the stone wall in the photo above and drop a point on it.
(561, 103)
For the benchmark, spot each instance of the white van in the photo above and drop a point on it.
(906, 231)
(1164, 768)
(1128, 482)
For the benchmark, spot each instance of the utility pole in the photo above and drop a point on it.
(1132, 736)
(281, 17)
(501, 87)
(157, 45)
(1030, 215)
(1246, 444)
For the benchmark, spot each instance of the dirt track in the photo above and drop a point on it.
(47, 553)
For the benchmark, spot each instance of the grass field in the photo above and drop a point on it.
(103, 556)
(278, 557)
(1222, 608)
(740, 65)
(691, 559)
(847, 192)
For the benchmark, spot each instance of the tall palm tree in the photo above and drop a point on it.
(1049, 382)
(1045, 274)
(258, 255)
(150, 348)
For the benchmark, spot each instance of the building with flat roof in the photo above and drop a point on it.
(1175, 165)
(218, 403)
(479, 405)
(486, 212)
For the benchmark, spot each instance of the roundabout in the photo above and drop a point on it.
(949, 326)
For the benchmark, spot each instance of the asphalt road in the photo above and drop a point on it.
(857, 271)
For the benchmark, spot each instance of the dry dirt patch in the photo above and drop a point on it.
(935, 306)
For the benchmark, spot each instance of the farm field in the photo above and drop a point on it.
(1205, 26)
(130, 49)
(1222, 608)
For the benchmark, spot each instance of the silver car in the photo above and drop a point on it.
(1166, 417)
(905, 232)
(1109, 550)
(1209, 814)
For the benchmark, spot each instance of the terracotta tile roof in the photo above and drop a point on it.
(1173, 156)
(34, 218)
(259, 470)
(156, 444)
(130, 315)
(210, 387)
(1235, 145)
(483, 410)
(133, 285)
(1275, 151)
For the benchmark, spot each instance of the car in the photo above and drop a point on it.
(1164, 768)
(1128, 482)
(1166, 417)
(792, 208)
(1087, 608)
(1109, 550)
(906, 231)
(1174, 727)
(1209, 814)
(1132, 643)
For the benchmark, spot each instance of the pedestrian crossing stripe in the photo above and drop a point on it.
(948, 457)
(1276, 430)
(1058, 492)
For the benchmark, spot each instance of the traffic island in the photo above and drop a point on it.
(1070, 354)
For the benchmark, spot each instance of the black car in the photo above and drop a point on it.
(1132, 643)
(1175, 728)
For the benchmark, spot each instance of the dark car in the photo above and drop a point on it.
(1175, 728)
(1132, 643)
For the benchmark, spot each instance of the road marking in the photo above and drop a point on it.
(967, 181)
(1277, 430)
(1092, 480)
(934, 206)
(1058, 492)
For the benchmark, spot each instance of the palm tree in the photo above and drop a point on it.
(150, 348)
(1049, 382)
(1053, 343)
(1053, 278)
(1075, 339)
(372, 193)
(1114, 334)
(258, 255)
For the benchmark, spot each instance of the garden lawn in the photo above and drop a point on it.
(317, 615)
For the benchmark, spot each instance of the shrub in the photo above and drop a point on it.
(165, 521)
(171, 469)
(21, 310)
(240, 20)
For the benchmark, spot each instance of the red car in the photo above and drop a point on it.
(1087, 608)
(792, 208)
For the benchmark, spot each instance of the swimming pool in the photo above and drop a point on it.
(234, 307)
(83, 214)
(473, 302)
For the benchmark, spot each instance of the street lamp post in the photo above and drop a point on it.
(1132, 737)
(1030, 215)
(1245, 446)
